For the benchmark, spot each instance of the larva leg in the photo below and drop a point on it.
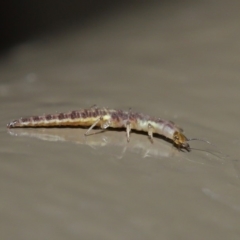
(104, 125)
(150, 132)
(94, 124)
(95, 106)
(128, 128)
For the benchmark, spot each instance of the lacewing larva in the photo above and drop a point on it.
(104, 118)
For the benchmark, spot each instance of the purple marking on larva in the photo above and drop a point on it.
(119, 113)
(83, 115)
(133, 116)
(89, 114)
(78, 114)
(122, 115)
(147, 117)
(159, 120)
(104, 113)
(97, 112)
(61, 116)
(169, 124)
(48, 117)
(86, 112)
(138, 116)
(125, 115)
(25, 120)
(73, 115)
(94, 114)
(35, 118)
(113, 116)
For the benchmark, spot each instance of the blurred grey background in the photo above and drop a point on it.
(26, 19)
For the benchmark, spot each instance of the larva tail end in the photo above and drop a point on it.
(12, 124)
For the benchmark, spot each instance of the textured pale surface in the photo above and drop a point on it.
(178, 62)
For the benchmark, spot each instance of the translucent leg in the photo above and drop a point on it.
(150, 132)
(128, 131)
(104, 125)
(95, 106)
(94, 124)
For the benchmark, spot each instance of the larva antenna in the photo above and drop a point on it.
(202, 140)
(208, 142)
(199, 139)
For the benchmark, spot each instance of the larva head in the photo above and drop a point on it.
(180, 140)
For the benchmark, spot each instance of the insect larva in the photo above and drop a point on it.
(104, 118)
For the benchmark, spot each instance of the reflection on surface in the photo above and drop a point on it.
(223, 198)
(139, 143)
